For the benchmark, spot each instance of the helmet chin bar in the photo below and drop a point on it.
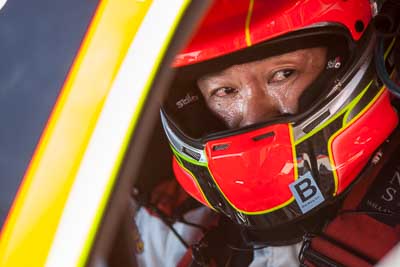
(297, 230)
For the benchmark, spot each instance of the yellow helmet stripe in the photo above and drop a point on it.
(247, 23)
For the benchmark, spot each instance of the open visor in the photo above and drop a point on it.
(186, 108)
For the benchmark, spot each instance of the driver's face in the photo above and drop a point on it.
(252, 92)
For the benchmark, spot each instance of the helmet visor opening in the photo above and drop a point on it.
(286, 65)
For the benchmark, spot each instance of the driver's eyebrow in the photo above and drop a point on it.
(296, 57)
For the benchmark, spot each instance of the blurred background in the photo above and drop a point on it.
(38, 42)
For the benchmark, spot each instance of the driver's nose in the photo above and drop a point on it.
(260, 104)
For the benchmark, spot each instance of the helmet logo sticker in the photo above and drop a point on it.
(306, 192)
(186, 100)
(335, 63)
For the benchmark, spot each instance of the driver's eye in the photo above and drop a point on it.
(281, 75)
(223, 91)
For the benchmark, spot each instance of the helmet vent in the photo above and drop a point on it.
(191, 153)
(359, 26)
(263, 136)
(220, 147)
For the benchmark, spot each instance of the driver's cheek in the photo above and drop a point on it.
(255, 104)
(285, 99)
(230, 111)
(253, 108)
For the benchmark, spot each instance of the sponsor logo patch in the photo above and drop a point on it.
(383, 196)
(306, 192)
(188, 99)
(335, 63)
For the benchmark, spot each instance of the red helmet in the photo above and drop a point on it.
(282, 171)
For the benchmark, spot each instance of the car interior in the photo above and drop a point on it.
(147, 162)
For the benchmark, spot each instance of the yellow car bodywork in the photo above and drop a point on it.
(45, 227)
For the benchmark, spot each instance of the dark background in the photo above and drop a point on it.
(38, 42)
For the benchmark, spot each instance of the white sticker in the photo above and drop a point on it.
(188, 99)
